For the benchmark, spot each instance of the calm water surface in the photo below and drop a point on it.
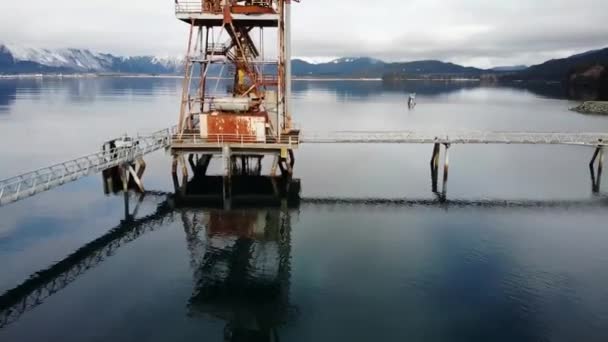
(518, 253)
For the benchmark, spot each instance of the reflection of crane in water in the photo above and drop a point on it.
(242, 271)
(256, 253)
(240, 258)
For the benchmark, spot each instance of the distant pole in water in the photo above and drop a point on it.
(411, 101)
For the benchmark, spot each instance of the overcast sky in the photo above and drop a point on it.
(472, 32)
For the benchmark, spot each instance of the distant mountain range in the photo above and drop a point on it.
(562, 69)
(374, 68)
(23, 60)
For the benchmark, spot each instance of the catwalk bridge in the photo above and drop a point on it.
(124, 151)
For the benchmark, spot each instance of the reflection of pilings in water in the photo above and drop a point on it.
(193, 227)
(285, 253)
(43, 284)
(596, 202)
(244, 275)
(596, 181)
(226, 157)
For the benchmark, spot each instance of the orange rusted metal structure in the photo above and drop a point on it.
(259, 85)
(251, 114)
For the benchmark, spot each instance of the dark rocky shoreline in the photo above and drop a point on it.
(592, 107)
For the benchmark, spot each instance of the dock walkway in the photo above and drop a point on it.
(32, 183)
(456, 137)
(44, 179)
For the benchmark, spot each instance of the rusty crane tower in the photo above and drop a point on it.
(236, 95)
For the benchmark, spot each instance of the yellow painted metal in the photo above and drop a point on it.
(241, 77)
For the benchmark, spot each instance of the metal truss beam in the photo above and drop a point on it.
(32, 183)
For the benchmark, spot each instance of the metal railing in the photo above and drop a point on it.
(32, 183)
(194, 7)
(404, 137)
(218, 140)
(456, 137)
(217, 48)
(215, 7)
(269, 80)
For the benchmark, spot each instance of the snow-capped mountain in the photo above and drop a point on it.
(81, 60)
(20, 59)
(359, 60)
(315, 60)
(169, 62)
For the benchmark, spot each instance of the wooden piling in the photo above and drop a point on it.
(184, 167)
(136, 179)
(597, 152)
(596, 179)
(227, 158)
(435, 156)
(140, 168)
(191, 162)
(204, 164)
(292, 159)
(600, 167)
(174, 165)
(275, 164)
(446, 166)
(446, 163)
(124, 176)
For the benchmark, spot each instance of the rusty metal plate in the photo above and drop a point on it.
(236, 128)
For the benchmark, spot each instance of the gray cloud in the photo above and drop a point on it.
(474, 32)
